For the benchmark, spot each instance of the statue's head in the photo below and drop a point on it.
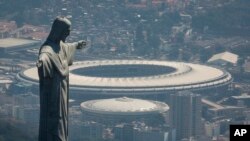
(60, 29)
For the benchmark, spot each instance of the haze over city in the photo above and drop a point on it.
(153, 70)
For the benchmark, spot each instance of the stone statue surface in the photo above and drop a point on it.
(55, 57)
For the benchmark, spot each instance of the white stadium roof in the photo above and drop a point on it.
(124, 106)
(186, 76)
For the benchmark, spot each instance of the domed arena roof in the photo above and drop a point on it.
(124, 106)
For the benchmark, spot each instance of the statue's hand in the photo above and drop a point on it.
(81, 44)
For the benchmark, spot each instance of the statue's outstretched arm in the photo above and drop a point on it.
(70, 49)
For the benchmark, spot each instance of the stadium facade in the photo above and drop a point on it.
(136, 78)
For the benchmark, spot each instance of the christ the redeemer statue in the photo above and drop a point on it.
(55, 57)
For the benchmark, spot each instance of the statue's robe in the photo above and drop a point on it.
(53, 70)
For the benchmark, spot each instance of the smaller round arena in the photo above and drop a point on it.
(123, 109)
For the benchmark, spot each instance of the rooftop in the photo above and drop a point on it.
(184, 77)
(226, 56)
(123, 105)
(212, 104)
(244, 96)
(185, 73)
(13, 42)
(5, 81)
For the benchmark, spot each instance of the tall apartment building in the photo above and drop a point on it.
(185, 114)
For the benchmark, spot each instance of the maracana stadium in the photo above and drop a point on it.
(139, 78)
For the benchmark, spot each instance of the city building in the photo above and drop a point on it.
(4, 84)
(246, 65)
(29, 114)
(185, 114)
(118, 110)
(212, 129)
(26, 99)
(216, 111)
(111, 28)
(242, 100)
(85, 130)
(26, 114)
(124, 132)
(20, 88)
(224, 58)
(154, 134)
(133, 132)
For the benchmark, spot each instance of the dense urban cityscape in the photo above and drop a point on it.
(153, 70)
